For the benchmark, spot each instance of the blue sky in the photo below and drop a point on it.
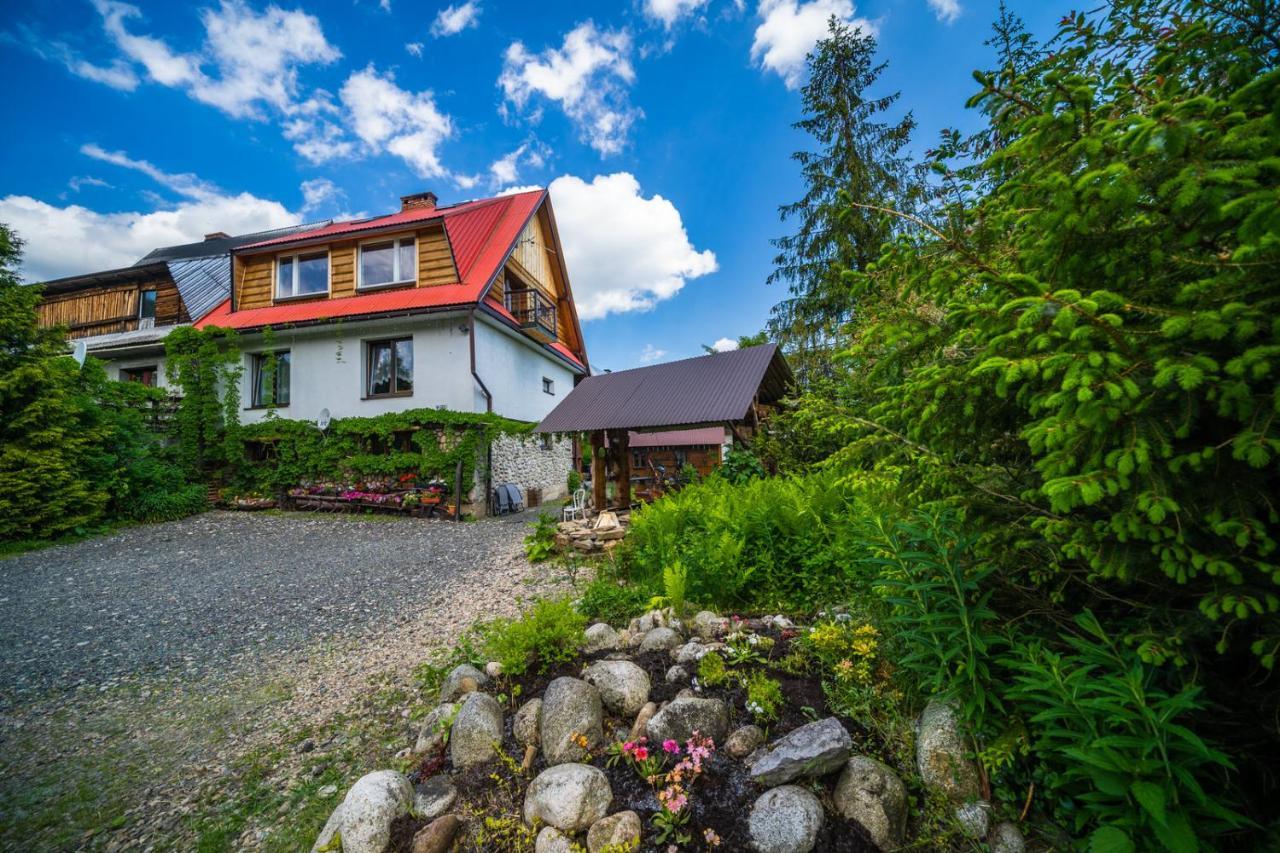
(661, 126)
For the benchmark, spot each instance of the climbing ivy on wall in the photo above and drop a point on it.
(204, 365)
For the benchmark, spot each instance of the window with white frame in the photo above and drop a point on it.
(387, 262)
(270, 376)
(303, 274)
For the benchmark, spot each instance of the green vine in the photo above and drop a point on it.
(205, 366)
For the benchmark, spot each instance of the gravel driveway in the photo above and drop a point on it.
(185, 597)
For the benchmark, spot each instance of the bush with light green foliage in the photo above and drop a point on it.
(549, 633)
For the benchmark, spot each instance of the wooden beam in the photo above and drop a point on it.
(598, 493)
(624, 469)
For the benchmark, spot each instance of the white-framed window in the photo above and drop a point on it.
(387, 262)
(303, 274)
(270, 387)
(389, 370)
(548, 386)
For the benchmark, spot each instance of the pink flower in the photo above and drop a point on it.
(628, 746)
(671, 746)
(641, 753)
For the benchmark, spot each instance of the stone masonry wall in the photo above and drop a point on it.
(523, 461)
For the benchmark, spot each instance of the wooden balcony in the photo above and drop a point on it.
(535, 313)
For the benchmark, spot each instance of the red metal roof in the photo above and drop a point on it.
(677, 437)
(481, 234)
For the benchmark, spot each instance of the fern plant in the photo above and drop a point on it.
(675, 579)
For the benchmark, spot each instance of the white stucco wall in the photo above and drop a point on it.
(328, 365)
(512, 368)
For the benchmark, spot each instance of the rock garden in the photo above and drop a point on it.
(705, 733)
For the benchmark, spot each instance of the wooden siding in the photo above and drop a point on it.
(252, 276)
(110, 309)
(435, 258)
(342, 269)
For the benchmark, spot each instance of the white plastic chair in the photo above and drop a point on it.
(577, 509)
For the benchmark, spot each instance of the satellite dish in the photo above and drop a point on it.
(79, 351)
(323, 420)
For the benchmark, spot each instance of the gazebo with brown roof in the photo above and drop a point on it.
(721, 389)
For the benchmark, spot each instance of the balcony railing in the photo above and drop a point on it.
(535, 313)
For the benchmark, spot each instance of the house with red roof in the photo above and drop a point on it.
(466, 307)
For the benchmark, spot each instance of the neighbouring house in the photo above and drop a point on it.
(707, 404)
(123, 316)
(465, 307)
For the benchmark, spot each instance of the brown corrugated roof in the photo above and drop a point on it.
(710, 389)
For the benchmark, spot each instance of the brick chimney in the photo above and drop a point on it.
(217, 235)
(418, 201)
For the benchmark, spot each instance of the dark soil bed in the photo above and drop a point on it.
(722, 798)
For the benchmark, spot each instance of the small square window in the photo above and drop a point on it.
(302, 275)
(548, 386)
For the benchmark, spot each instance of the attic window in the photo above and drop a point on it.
(147, 304)
(302, 275)
(387, 262)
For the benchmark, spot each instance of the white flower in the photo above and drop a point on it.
(753, 640)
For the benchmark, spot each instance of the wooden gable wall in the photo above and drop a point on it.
(104, 310)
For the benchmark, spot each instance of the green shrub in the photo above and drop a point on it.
(764, 696)
(574, 481)
(612, 601)
(549, 633)
(183, 501)
(740, 465)
(711, 670)
(540, 544)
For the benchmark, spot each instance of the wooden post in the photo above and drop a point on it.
(624, 470)
(598, 474)
(457, 493)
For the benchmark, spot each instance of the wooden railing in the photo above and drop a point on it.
(534, 312)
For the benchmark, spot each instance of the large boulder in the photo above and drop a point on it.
(524, 728)
(435, 728)
(870, 793)
(476, 732)
(623, 686)
(708, 625)
(744, 741)
(680, 718)
(433, 797)
(812, 750)
(569, 797)
(941, 755)
(659, 640)
(571, 710)
(363, 819)
(785, 820)
(600, 637)
(463, 678)
(619, 831)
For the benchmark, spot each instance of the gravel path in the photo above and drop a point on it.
(185, 598)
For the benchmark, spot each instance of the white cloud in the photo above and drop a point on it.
(946, 11)
(587, 76)
(624, 252)
(186, 184)
(385, 4)
(415, 48)
(725, 345)
(505, 169)
(452, 20)
(669, 12)
(254, 57)
(789, 28)
(76, 183)
(651, 354)
(318, 192)
(389, 119)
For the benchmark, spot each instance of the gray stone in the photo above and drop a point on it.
(623, 686)
(679, 719)
(690, 652)
(974, 818)
(941, 754)
(437, 836)
(1007, 838)
(433, 797)
(435, 728)
(647, 622)
(363, 819)
(677, 675)
(659, 639)
(570, 707)
(619, 831)
(642, 720)
(708, 625)
(464, 678)
(600, 637)
(493, 669)
(524, 728)
(477, 731)
(744, 741)
(870, 793)
(785, 820)
(552, 840)
(569, 797)
(815, 749)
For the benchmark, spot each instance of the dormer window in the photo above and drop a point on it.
(384, 263)
(304, 274)
(147, 304)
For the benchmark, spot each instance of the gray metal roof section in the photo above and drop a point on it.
(710, 389)
(222, 245)
(204, 283)
(134, 337)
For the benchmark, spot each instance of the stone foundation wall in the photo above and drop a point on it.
(526, 463)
